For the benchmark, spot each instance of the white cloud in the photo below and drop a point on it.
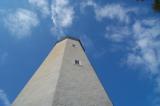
(4, 98)
(134, 60)
(57, 31)
(21, 22)
(110, 11)
(144, 51)
(118, 33)
(41, 5)
(87, 3)
(142, 35)
(147, 45)
(62, 14)
(116, 12)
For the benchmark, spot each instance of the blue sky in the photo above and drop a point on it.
(121, 38)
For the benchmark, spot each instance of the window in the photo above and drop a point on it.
(73, 45)
(77, 62)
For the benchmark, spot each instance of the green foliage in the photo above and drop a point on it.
(156, 5)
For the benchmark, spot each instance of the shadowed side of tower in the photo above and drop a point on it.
(65, 78)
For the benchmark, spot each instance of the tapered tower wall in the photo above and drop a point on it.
(39, 91)
(65, 78)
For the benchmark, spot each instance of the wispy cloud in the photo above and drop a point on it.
(42, 6)
(21, 22)
(62, 15)
(4, 98)
(147, 43)
(142, 35)
(147, 49)
(118, 33)
(110, 11)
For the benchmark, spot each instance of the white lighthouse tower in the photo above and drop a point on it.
(65, 78)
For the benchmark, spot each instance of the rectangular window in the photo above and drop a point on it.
(73, 45)
(77, 62)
